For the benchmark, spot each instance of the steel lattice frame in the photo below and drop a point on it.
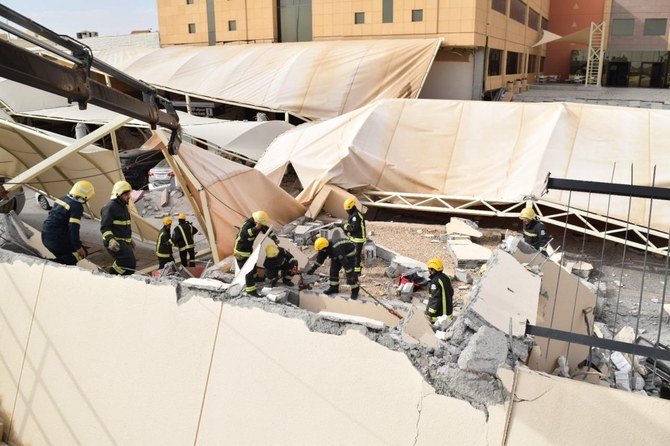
(549, 212)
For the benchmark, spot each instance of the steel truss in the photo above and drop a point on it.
(578, 220)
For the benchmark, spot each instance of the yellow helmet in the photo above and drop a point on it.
(167, 221)
(271, 251)
(120, 188)
(82, 189)
(435, 264)
(181, 217)
(528, 213)
(261, 217)
(349, 203)
(321, 243)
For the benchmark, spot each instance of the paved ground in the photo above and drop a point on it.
(630, 97)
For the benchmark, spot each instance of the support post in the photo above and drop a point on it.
(210, 228)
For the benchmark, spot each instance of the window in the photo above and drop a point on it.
(542, 64)
(533, 19)
(517, 11)
(499, 6)
(417, 15)
(495, 56)
(655, 27)
(387, 11)
(545, 24)
(623, 27)
(513, 60)
(359, 18)
(232, 25)
(189, 2)
(532, 63)
(191, 28)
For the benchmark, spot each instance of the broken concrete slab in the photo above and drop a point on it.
(507, 294)
(165, 198)
(466, 254)
(347, 318)
(459, 226)
(485, 352)
(330, 200)
(418, 329)
(316, 303)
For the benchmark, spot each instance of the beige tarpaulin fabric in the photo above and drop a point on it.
(234, 192)
(487, 150)
(22, 147)
(311, 79)
(581, 36)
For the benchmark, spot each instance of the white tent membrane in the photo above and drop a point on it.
(314, 80)
(22, 147)
(489, 150)
(582, 37)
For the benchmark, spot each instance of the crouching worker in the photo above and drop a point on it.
(60, 231)
(279, 261)
(244, 245)
(342, 254)
(441, 293)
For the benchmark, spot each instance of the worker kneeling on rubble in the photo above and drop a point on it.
(244, 244)
(534, 231)
(440, 302)
(279, 260)
(164, 244)
(342, 254)
(116, 230)
(355, 230)
(182, 237)
(60, 231)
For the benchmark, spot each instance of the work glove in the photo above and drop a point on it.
(114, 245)
(82, 252)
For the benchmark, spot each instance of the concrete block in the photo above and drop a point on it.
(620, 362)
(463, 276)
(278, 295)
(463, 227)
(347, 318)
(622, 380)
(385, 253)
(466, 254)
(301, 229)
(485, 352)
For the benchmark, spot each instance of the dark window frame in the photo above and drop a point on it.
(417, 15)
(650, 21)
(513, 61)
(232, 25)
(533, 16)
(494, 62)
(514, 11)
(387, 11)
(359, 18)
(191, 28)
(499, 6)
(545, 23)
(615, 32)
(189, 2)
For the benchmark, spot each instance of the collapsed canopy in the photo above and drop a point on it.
(489, 150)
(310, 79)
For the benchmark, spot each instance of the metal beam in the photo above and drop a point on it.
(595, 187)
(64, 153)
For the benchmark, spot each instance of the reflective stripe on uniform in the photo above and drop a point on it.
(444, 297)
(237, 253)
(529, 234)
(128, 240)
(106, 233)
(158, 246)
(163, 256)
(75, 220)
(432, 310)
(121, 222)
(250, 289)
(77, 256)
(357, 240)
(183, 234)
(118, 269)
(62, 203)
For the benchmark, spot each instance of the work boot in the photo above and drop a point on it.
(354, 294)
(253, 293)
(332, 290)
(287, 282)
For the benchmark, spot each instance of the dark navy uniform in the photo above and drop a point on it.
(284, 262)
(342, 254)
(60, 231)
(115, 223)
(440, 302)
(182, 237)
(535, 234)
(355, 229)
(164, 247)
(244, 245)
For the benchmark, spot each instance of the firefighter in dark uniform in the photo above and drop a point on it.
(534, 231)
(182, 237)
(116, 230)
(244, 245)
(60, 231)
(164, 244)
(441, 293)
(355, 230)
(342, 254)
(279, 260)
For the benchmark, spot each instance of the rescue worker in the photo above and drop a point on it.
(244, 245)
(164, 244)
(342, 254)
(534, 231)
(116, 230)
(182, 237)
(441, 293)
(355, 230)
(279, 260)
(60, 231)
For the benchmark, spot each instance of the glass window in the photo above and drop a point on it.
(623, 27)
(545, 24)
(517, 11)
(295, 20)
(513, 61)
(500, 6)
(191, 28)
(655, 27)
(532, 63)
(387, 11)
(189, 2)
(542, 64)
(533, 19)
(232, 25)
(417, 15)
(495, 56)
(359, 18)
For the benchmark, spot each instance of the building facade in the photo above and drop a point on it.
(636, 40)
(487, 44)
